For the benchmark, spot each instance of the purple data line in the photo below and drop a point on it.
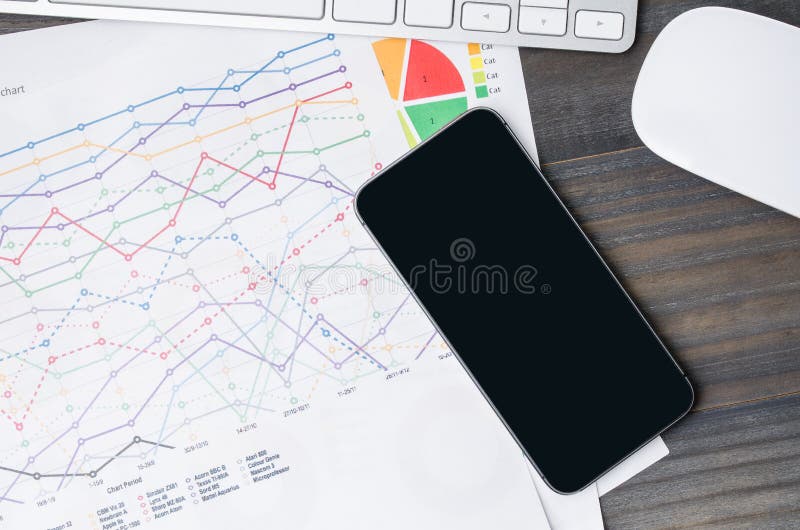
(9, 499)
(380, 332)
(169, 372)
(13, 482)
(425, 347)
(357, 347)
(133, 190)
(303, 339)
(183, 108)
(187, 188)
(69, 186)
(163, 124)
(69, 465)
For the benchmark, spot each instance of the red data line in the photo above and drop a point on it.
(173, 221)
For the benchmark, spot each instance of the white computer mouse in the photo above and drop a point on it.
(719, 95)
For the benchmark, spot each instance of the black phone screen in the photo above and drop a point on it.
(524, 300)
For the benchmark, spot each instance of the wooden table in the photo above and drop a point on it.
(717, 274)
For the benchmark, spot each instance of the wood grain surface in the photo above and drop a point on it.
(717, 274)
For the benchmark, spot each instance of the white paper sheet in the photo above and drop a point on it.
(196, 331)
(327, 437)
(580, 511)
(633, 465)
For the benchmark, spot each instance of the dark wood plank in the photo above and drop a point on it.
(15, 23)
(736, 467)
(581, 101)
(718, 274)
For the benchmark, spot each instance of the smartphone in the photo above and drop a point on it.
(523, 299)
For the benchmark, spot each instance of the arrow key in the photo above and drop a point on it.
(479, 16)
(542, 21)
(599, 25)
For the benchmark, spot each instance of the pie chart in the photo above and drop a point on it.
(424, 82)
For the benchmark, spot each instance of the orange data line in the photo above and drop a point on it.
(173, 220)
(299, 103)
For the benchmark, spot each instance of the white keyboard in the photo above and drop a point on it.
(592, 25)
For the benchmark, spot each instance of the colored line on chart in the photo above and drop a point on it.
(185, 107)
(19, 425)
(90, 474)
(263, 69)
(128, 256)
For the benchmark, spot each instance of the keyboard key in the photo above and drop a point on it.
(599, 25)
(429, 13)
(542, 21)
(485, 17)
(368, 11)
(313, 9)
(555, 4)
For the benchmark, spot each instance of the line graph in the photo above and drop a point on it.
(93, 473)
(56, 212)
(193, 323)
(177, 259)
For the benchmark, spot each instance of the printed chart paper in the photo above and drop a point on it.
(195, 331)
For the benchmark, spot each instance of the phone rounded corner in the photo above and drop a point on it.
(487, 110)
(357, 201)
(692, 398)
(558, 490)
(358, 197)
(546, 480)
